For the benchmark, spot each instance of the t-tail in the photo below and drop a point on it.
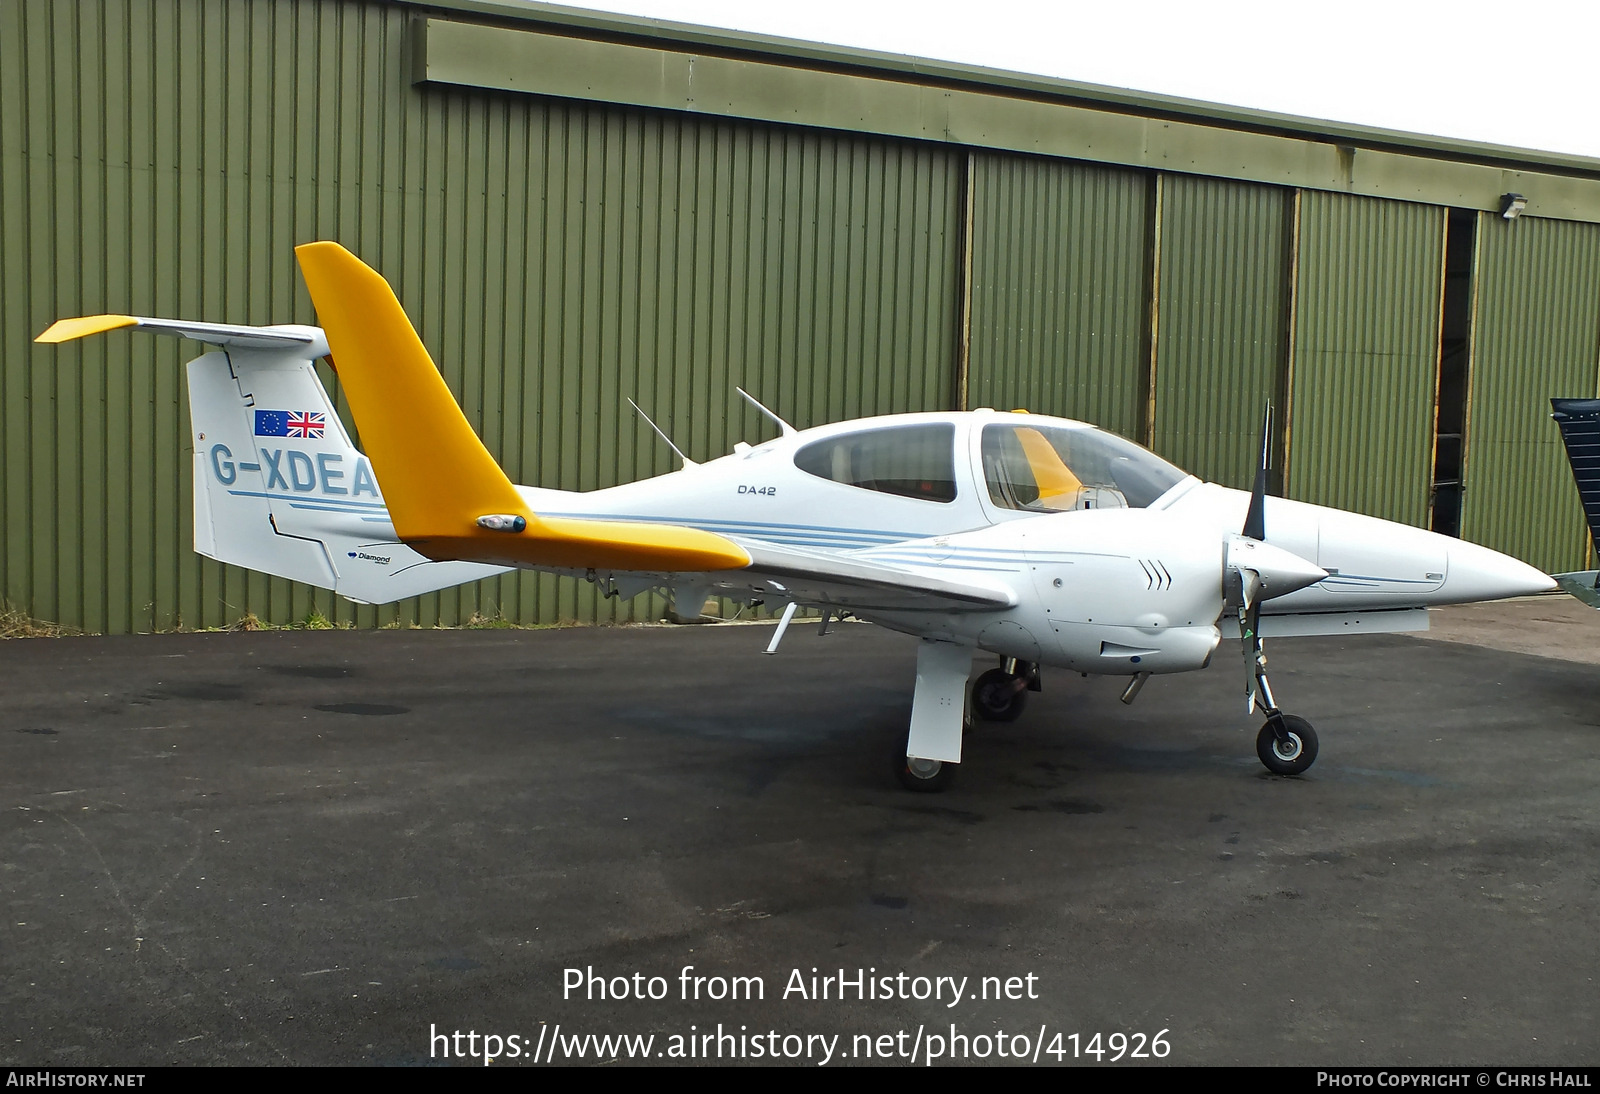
(280, 488)
(1579, 420)
(278, 485)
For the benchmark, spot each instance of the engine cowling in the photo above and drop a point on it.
(1126, 590)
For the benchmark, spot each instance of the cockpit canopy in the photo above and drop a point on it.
(1029, 467)
(1052, 469)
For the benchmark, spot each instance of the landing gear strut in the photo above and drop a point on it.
(932, 744)
(1286, 745)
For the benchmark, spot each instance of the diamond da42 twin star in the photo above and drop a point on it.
(1040, 540)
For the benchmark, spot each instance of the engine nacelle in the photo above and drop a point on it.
(1113, 591)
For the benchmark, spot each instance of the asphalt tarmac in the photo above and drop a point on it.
(344, 848)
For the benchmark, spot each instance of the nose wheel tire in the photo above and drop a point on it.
(1291, 757)
(999, 696)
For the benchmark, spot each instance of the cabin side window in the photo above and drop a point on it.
(913, 461)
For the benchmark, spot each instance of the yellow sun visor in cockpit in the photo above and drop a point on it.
(1053, 477)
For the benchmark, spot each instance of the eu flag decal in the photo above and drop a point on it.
(289, 423)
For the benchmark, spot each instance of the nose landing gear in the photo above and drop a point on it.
(1288, 749)
(1286, 745)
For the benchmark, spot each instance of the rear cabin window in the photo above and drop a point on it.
(914, 461)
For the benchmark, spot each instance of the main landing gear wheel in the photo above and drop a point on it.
(1291, 757)
(919, 775)
(999, 696)
(924, 776)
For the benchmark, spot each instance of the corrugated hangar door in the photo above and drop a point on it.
(1536, 334)
(670, 258)
(1059, 281)
(1369, 278)
(1221, 323)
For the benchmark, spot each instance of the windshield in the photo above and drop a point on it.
(1050, 469)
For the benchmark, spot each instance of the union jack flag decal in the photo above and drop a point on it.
(305, 424)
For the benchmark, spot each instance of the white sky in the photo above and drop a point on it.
(1509, 73)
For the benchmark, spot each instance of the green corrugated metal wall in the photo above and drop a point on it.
(1059, 289)
(1366, 352)
(1222, 323)
(163, 157)
(678, 259)
(557, 258)
(1536, 335)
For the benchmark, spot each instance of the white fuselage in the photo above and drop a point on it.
(1106, 588)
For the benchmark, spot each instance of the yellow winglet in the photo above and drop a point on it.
(436, 475)
(65, 330)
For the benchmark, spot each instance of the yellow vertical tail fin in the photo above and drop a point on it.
(436, 474)
(437, 477)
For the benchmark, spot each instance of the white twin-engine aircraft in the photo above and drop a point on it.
(1044, 541)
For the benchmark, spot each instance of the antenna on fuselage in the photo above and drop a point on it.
(687, 462)
(788, 430)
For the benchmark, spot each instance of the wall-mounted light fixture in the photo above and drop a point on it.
(1511, 205)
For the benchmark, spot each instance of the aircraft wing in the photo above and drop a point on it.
(827, 579)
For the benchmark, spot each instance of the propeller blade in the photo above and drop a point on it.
(1255, 520)
(1258, 572)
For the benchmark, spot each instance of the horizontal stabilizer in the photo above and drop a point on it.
(309, 340)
